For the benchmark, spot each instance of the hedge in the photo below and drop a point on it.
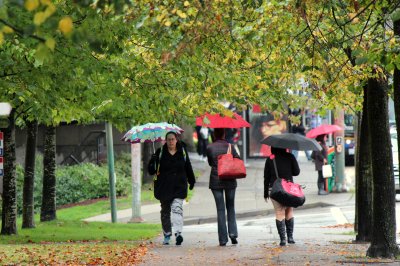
(78, 182)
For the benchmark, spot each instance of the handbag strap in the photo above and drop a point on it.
(229, 149)
(276, 169)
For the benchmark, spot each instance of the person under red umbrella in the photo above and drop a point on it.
(218, 121)
(322, 130)
(321, 158)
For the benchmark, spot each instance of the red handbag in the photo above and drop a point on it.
(230, 167)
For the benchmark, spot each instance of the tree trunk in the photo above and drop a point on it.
(147, 152)
(383, 241)
(364, 177)
(396, 88)
(29, 178)
(9, 206)
(48, 211)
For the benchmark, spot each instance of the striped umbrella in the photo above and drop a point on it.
(150, 132)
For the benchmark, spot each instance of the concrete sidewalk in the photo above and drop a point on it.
(249, 194)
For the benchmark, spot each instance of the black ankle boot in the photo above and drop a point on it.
(280, 225)
(289, 230)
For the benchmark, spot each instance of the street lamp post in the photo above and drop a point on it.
(111, 171)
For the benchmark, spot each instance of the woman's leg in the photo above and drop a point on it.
(166, 220)
(230, 207)
(177, 219)
(321, 184)
(280, 221)
(279, 210)
(288, 213)
(220, 204)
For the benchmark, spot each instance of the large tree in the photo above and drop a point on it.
(48, 207)
(9, 198)
(356, 39)
(29, 176)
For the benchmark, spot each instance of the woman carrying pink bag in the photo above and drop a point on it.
(287, 167)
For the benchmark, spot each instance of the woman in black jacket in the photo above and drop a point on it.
(174, 171)
(219, 186)
(287, 167)
(320, 159)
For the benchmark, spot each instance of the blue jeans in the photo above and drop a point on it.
(230, 208)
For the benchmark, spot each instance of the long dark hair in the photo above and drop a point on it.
(219, 133)
(321, 138)
(275, 150)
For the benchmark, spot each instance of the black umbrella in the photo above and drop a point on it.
(292, 141)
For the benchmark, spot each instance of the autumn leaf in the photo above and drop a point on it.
(39, 18)
(181, 14)
(7, 29)
(31, 5)
(51, 43)
(65, 25)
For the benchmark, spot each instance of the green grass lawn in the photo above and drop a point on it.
(71, 231)
(71, 241)
(70, 227)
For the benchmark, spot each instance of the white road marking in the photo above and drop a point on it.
(338, 215)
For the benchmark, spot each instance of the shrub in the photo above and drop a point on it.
(74, 183)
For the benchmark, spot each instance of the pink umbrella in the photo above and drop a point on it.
(218, 121)
(322, 130)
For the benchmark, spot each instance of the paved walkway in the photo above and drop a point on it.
(258, 243)
(249, 200)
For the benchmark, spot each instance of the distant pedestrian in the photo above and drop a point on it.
(174, 171)
(287, 167)
(320, 158)
(202, 139)
(220, 187)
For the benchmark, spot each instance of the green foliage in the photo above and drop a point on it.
(74, 183)
(86, 181)
(122, 164)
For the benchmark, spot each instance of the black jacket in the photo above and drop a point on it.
(174, 173)
(213, 150)
(286, 165)
(319, 156)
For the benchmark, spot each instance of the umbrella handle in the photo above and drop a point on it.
(153, 148)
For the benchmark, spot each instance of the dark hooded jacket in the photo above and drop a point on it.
(174, 172)
(286, 165)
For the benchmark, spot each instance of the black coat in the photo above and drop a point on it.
(213, 150)
(319, 156)
(287, 167)
(174, 174)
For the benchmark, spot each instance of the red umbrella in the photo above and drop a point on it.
(218, 121)
(322, 130)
